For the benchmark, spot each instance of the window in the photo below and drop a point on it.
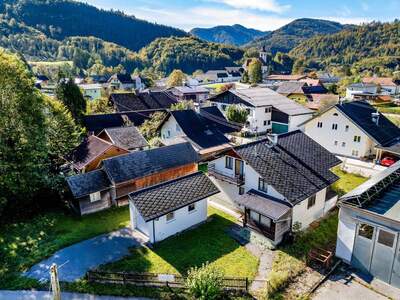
(229, 163)
(347, 128)
(354, 153)
(178, 129)
(265, 123)
(334, 126)
(319, 124)
(260, 219)
(386, 238)
(366, 231)
(170, 216)
(262, 185)
(269, 122)
(192, 207)
(357, 138)
(311, 201)
(343, 144)
(265, 221)
(241, 190)
(168, 133)
(335, 143)
(268, 110)
(95, 197)
(223, 107)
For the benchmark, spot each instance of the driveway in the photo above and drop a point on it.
(74, 261)
(345, 285)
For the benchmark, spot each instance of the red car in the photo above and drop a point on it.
(388, 161)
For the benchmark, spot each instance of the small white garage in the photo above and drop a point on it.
(369, 226)
(168, 208)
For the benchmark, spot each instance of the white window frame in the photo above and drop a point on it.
(94, 197)
(229, 165)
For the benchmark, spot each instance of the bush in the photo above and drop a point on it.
(205, 282)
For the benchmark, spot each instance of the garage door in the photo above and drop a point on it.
(374, 252)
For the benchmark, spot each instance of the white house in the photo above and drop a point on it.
(369, 226)
(277, 182)
(122, 82)
(353, 129)
(197, 94)
(91, 91)
(387, 85)
(361, 90)
(166, 209)
(268, 110)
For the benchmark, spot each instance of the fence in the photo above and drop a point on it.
(158, 280)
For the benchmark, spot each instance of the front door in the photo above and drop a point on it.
(363, 247)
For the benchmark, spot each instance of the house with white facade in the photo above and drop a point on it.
(123, 82)
(387, 85)
(205, 130)
(369, 226)
(353, 129)
(268, 110)
(197, 94)
(276, 182)
(91, 91)
(166, 209)
(358, 91)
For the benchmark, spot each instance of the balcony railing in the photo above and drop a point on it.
(224, 176)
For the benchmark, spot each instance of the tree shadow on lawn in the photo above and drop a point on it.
(205, 243)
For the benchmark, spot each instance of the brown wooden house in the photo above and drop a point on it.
(122, 175)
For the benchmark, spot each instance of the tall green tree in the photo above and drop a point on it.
(71, 96)
(237, 114)
(255, 71)
(23, 146)
(176, 78)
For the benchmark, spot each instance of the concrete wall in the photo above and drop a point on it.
(306, 216)
(163, 229)
(326, 137)
(346, 235)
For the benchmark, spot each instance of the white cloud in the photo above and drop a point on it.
(264, 5)
(348, 20)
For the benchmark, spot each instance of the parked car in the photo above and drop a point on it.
(388, 161)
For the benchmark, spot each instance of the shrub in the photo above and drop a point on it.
(205, 282)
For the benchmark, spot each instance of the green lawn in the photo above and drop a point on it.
(26, 243)
(207, 243)
(347, 181)
(388, 108)
(394, 119)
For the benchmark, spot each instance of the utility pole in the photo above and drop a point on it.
(55, 284)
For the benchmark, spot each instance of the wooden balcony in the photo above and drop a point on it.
(220, 175)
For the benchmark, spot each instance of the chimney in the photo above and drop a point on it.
(273, 138)
(375, 118)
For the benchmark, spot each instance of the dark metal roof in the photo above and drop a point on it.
(264, 204)
(360, 112)
(297, 167)
(123, 78)
(291, 87)
(126, 137)
(143, 163)
(201, 131)
(85, 184)
(87, 151)
(158, 200)
(96, 123)
(143, 101)
(213, 114)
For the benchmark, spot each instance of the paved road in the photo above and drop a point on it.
(38, 295)
(81, 257)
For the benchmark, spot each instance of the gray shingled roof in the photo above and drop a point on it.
(297, 167)
(126, 137)
(266, 97)
(143, 163)
(291, 87)
(158, 200)
(85, 184)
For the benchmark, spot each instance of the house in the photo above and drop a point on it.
(128, 138)
(352, 129)
(388, 86)
(121, 175)
(123, 82)
(276, 79)
(42, 80)
(317, 101)
(139, 83)
(99, 79)
(147, 100)
(278, 181)
(268, 110)
(94, 124)
(205, 130)
(360, 91)
(197, 94)
(299, 90)
(91, 91)
(166, 209)
(91, 152)
(369, 226)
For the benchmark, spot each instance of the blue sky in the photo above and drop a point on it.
(259, 14)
